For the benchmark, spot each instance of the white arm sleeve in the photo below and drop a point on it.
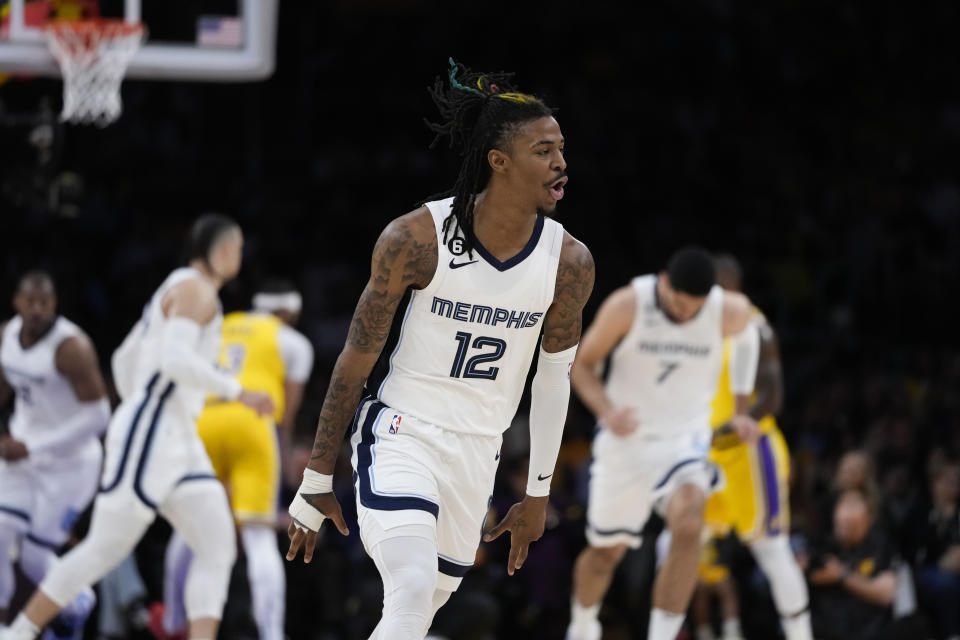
(179, 360)
(744, 359)
(123, 363)
(297, 354)
(549, 397)
(89, 421)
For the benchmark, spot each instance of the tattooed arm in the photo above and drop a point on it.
(549, 397)
(405, 256)
(564, 319)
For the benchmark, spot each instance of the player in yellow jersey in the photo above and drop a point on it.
(262, 350)
(754, 503)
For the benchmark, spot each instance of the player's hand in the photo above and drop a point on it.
(622, 421)
(307, 515)
(830, 573)
(525, 521)
(12, 450)
(746, 427)
(260, 402)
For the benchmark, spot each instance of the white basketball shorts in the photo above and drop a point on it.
(407, 471)
(630, 476)
(43, 496)
(151, 447)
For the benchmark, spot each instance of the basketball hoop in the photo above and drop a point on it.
(93, 56)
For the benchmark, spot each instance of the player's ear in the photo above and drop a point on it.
(498, 160)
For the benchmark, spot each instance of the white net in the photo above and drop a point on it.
(93, 56)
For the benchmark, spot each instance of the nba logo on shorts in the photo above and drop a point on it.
(395, 424)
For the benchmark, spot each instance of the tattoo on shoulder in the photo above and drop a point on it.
(405, 256)
(575, 275)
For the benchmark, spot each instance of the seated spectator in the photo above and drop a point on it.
(852, 576)
(937, 558)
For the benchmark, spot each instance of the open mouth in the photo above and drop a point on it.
(556, 188)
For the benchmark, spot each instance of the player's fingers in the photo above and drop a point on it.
(512, 559)
(309, 546)
(337, 517)
(497, 529)
(522, 550)
(296, 539)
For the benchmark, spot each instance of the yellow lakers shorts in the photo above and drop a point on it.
(755, 499)
(245, 454)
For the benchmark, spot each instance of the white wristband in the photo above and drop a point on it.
(314, 482)
(304, 514)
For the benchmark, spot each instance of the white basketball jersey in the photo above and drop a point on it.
(146, 343)
(44, 397)
(459, 350)
(668, 371)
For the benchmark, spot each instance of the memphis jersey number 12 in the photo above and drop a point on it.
(460, 349)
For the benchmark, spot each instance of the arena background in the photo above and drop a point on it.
(817, 141)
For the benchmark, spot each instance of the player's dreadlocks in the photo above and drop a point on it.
(479, 112)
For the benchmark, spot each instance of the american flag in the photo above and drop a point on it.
(219, 31)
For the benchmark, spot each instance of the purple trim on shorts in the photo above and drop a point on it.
(770, 484)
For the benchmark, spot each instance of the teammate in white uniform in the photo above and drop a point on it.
(664, 336)
(155, 461)
(443, 336)
(50, 461)
(263, 351)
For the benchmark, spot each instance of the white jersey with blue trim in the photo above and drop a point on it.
(143, 346)
(668, 371)
(44, 396)
(460, 349)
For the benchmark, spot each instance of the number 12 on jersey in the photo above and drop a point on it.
(472, 369)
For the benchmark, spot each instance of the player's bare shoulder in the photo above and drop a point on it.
(407, 249)
(737, 312)
(575, 276)
(194, 298)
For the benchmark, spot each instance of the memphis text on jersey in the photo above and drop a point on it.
(481, 314)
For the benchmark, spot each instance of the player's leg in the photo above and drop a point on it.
(176, 568)
(406, 558)
(772, 552)
(676, 579)
(787, 585)
(115, 528)
(13, 528)
(16, 499)
(267, 578)
(592, 574)
(198, 510)
(618, 504)
(397, 506)
(254, 480)
(64, 491)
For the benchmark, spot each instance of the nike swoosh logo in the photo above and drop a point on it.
(454, 265)
(539, 477)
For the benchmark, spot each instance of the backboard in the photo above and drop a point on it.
(231, 47)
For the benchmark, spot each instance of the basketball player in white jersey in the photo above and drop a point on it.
(262, 350)
(443, 337)
(50, 461)
(664, 336)
(155, 461)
